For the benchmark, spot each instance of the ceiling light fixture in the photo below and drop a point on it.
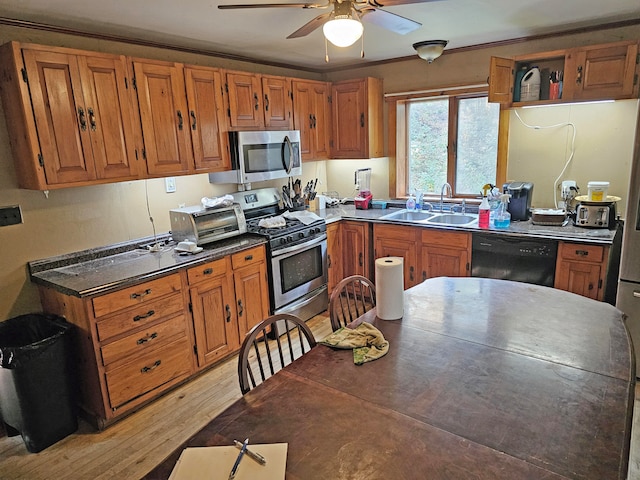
(429, 50)
(343, 30)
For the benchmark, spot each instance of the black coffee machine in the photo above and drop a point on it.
(520, 202)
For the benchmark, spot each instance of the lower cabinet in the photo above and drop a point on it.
(136, 343)
(582, 269)
(445, 254)
(399, 241)
(334, 255)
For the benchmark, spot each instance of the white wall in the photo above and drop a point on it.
(341, 176)
(603, 149)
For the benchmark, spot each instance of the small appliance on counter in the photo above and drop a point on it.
(520, 202)
(363, 182)
(596, 214)
(201, 225)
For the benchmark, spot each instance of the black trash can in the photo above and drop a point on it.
(36, 393)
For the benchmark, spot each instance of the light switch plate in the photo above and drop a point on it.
(170, 184)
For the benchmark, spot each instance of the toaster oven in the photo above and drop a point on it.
(205, 225)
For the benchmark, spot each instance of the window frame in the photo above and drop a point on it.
(397, 108)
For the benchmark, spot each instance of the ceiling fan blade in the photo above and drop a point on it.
(389, 20)
(393, 3)
(309, 27)
(271, 5)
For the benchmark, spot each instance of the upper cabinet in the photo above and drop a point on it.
(164, 118)
(312, 116)
(257, 101)
(357, 118)
(598, 72)
(69, 116)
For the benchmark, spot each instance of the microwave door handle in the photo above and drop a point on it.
(287, 144)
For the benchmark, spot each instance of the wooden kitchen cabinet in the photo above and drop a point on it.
(69, 116)
(356, 245)
(357, 118)
(312, 116)
(582, 269)
(278, 102)
(258, 101)
(251, 287)
(206, 119)
(399, 241)
(164, 117)
(131, 345)
(597, 72)
(445, 254)
(334, 255)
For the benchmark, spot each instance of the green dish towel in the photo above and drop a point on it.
(367, 342)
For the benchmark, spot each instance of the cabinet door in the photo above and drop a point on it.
(321, 111)
(61, 116)
(601, 72)
(278, 105)
(214, 318)
(394, 241)
(334, 254)
(580, 278)
(244, 100)
(444, 262)
(164, 119)
(501, 73)
(109, 115)
(349, 119)
(355, 241)
(252, 296)
(303, 117)
(206, 120)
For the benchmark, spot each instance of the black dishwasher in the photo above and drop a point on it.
(514, 258)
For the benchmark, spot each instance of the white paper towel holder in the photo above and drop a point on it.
(390, 288)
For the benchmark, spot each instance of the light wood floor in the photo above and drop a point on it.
(133, 446)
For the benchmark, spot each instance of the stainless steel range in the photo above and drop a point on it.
(297, 254)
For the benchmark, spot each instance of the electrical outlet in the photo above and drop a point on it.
(170, 184)
(10, 215)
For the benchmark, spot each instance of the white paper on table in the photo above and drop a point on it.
(215, 463)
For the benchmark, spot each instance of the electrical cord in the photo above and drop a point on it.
(573, 143)
(156, 246)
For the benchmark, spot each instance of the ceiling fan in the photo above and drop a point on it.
(346, 10)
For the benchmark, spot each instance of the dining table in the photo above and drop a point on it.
(484, 379)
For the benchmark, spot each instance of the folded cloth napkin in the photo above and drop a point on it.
(367, 342)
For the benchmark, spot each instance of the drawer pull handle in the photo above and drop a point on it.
(147, 338)
(240, 308)
(207, 271)
(150, 313)
(156, 364)
(360, 259)
(411, 273)
(226, 307)
(248, 257)
(582, 253)
(141, 295)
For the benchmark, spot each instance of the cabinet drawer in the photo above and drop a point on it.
(148, 371)
(247, 257)
(207, 270)
(136, 295)
(139, 316)
(583, 253)
(446, 239)
(144, 340)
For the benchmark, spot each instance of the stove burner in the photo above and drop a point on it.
(294, 232)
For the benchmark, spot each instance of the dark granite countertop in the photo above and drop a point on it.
(103, 269)
(569, 232)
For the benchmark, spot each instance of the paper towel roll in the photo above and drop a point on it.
(390, 288)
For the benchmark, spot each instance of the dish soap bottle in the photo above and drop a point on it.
(484, 209)
(502, 216)
(411, 202)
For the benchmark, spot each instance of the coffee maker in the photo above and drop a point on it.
(363, 184)
(519, 205)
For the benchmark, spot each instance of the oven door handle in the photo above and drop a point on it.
(299, 246)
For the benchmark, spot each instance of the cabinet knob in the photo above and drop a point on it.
(194, 124)
(266, 102)
(579, 75)
(207, 271)
(255, 97)
(92, 119)
(180, 120)
(82, 119)
(240, 308)
(228, 309)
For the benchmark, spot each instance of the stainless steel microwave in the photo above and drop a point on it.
(261, 155)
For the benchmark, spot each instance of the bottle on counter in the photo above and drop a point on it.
(411, 202)
(502, 216)
(484, 210)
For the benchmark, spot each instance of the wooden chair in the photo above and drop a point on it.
(261, 357)
(352, 297)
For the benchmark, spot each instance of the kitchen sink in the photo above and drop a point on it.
(460, 219)
(408, 215)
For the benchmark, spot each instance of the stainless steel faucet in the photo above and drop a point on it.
(444, 187)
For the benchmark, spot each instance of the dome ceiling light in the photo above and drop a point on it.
(429, 50)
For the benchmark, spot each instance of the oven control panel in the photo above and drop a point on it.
(301, 235)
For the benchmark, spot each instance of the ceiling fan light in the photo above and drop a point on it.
(343, 31)
(429, 50)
